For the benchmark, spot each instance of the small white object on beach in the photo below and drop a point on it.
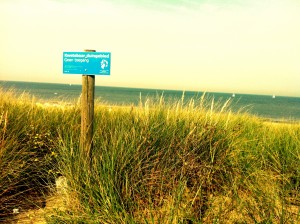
(61, 185)
(55, 93)
(16, 211)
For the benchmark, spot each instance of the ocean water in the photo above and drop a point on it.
(278, 108)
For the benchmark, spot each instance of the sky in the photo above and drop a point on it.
(235, 46)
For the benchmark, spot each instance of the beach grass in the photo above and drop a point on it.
(158, 162)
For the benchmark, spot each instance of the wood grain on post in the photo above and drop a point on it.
(87, 112)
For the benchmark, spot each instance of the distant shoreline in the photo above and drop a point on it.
(279, 109)
(283, 122)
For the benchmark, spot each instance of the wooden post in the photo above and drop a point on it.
(87, 112)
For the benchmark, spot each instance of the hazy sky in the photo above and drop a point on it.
(241, 46)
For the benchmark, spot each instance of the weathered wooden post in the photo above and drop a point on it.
(87, 112)
(88, 63)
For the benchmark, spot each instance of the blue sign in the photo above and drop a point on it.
(86, 63)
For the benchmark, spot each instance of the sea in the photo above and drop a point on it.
(275, 108)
